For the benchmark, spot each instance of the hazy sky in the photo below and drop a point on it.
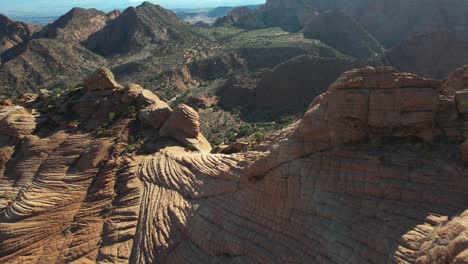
(56, 7)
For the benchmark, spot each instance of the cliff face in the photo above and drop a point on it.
(364, 176)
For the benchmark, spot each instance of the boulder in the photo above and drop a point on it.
(456, 81)
(16, 122)
(101, 80)
(197, 102)
(155, 115)
(132, 92)
(235, 147)
(183, 125)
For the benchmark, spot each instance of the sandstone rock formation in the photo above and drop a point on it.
(457, 80)
(100, 80)
(156, 114)
(183, 125)
(323, 190)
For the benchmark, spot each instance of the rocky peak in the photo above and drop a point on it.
(137, 28)
(76, 25)
(113, 14)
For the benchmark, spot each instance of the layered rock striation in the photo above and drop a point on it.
(364, 177)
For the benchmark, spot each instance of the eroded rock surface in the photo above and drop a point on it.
(327, 189)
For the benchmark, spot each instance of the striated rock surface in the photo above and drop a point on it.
(361, 178)
(183, 125)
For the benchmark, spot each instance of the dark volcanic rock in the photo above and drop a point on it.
(341, 32)
(433, 55)
(137, 28)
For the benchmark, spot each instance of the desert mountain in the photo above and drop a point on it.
(76, 25)
(289, 15)
(390, 22)
(341, 32)
(373, 171)
(13, 33)
(137, 28)
(53, 56)
(432, 54)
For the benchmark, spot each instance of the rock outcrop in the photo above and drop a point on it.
(101, 80)
(184, 125)
(362, 177)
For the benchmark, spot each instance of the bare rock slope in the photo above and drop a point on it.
(13, 33)
(327, 189)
